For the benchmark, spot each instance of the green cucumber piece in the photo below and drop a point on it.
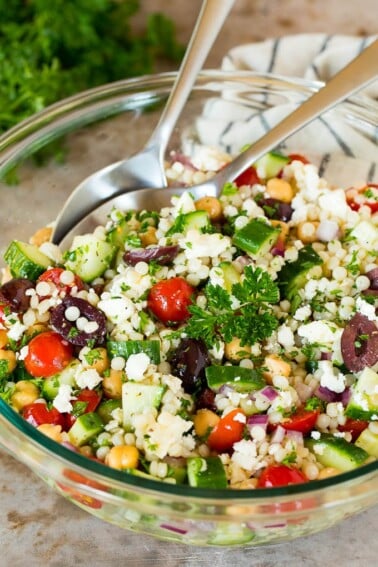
(256, 237)
(89, 256)
(231, 534)
(26, 260)
(139, 398)
(118, 233)
(126, 348)
(195, 220)
(363, 403)
(231, 275)
(270, 165)
(368, 441)
(85, 427)
(336, 452)
(106, 408)
(50, 386)
(239, 378)
(294, 275)
(206, 472)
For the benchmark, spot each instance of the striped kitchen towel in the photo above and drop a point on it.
(330, 142)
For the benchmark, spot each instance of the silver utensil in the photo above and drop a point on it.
(352, 78)
(146, 168)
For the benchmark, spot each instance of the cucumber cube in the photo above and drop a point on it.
(85, 427)
(256, 238)
(206, 473)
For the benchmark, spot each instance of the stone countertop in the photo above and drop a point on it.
(38, 527)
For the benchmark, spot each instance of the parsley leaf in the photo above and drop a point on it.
(246, 313)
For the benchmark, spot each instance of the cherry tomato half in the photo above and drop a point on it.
(368, 195)
(229, 430)
(90, 397)
(53, 275)
(169, 299)
(354, 426)
(75, 494)
(247, 177)
(302, 421)
(38, 413)
(280, 475)
(298, 157)
(48, 353)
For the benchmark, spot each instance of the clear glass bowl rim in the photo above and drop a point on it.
(56, 120)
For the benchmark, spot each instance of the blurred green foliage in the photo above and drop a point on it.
(50, 49)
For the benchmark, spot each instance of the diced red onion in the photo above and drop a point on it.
(325, 394)
(69, 446)
(295, 436)
(181, 158)
(226, 389)
(345, 396)
(269, 393)
(373, 277)
(278, 435)
(325, 355)
(173, 529)
(258, 419)
(327, 230)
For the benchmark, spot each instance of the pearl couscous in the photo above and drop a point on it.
(225, 342)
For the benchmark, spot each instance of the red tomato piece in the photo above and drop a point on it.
(354, 426)
(48, 353)
(169, 300)
(38, 413)
(53, 275)
(298, 157)
(91, 397)
(364, 196)
(75, 494)
(247, 177)
(229, 430)
(302, 421)
(280, 475)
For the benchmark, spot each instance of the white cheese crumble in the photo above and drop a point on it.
(88, 378)
(366, 309)
(137, 365)
(116, 308)
(323, 332)
(198, 245)
(330, 377)
(62, 401)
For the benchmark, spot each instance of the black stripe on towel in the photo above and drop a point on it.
(273, 55)
(346, 149)
(323, 164)
(371, 173)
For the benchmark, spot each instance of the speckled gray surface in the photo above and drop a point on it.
(39, 528)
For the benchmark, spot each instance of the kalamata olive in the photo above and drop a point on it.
(189, 362)
(69, 330)
(13, 293)
(206, 399)
(359, 343)
(159, 254)
(275, 209)
(373, 277)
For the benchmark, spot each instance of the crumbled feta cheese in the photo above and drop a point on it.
(62, 401)
(330, 377)
(244, 454)
(285, 336)
(322, 332)
(116, 308)
(366, 309)
(315, 435)
(334, 204)
(302, 313)
(198, 245)
(16, 331)
(166, 433)
(184, 204)
(137, 365)
(88, 378)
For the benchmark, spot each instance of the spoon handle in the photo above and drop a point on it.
(210, 20)
(358, 73)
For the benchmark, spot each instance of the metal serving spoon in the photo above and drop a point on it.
(146, 168)
(357, 74)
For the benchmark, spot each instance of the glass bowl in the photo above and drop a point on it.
(79, 135)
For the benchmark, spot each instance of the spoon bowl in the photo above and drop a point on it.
(146, 168)
(359, 73)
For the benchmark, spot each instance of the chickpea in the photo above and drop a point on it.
(97, 359)
(327, 472)
(247, 484)
(122, 457)
(212, 206)
(52, 431)
(148, 237)
(25, 393)
(3, 338)
(8, 361)
(280, 189)
(204, 421)
(40, 236)
(234, 351)
(86, 450)
(112, 384)
(306, 231)
(276, 367)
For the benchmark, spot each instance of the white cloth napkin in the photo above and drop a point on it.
(330, 142)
